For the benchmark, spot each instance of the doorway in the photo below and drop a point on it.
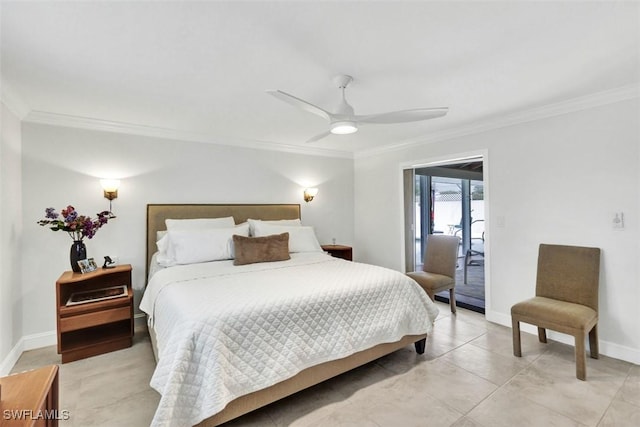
(449, 199)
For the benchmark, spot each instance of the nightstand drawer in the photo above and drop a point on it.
(88, 320)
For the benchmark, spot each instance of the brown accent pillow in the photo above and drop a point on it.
(249, 250)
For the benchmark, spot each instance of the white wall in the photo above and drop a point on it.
(63, 165)
(585, 164)
(10, 237)
(554, 180)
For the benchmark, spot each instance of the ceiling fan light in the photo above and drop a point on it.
(343, 128)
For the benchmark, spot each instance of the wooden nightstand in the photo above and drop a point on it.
(31, 398)
(95, 327)
(339, 251)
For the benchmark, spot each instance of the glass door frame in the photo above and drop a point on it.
(407, 176)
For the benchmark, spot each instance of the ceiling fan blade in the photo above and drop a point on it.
(319, 137)
(404, 116)
(300, 103)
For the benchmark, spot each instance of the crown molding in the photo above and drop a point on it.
(66, 120)
(576, 104)
(598, 99)
(13, 101)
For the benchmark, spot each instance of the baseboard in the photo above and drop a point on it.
(621, 352)
(42, 339)
(139, 320)
(10, 360)
(29, 342)
(45, 339)
(606, 348)
(499, 318)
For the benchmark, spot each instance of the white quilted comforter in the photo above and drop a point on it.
(224, 331)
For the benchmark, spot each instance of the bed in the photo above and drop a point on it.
(230, 339)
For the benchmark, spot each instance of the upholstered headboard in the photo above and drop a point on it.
(157, 213)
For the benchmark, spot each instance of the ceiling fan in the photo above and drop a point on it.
(344, 120)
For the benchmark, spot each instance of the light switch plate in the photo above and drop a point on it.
(618, 221)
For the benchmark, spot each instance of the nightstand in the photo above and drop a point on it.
(339, 251)
(94, 327)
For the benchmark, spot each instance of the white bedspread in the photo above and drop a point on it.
(224, 331)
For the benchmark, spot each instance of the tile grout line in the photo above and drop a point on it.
(615, 396)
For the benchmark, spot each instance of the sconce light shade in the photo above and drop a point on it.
(110, 187)
(309, 194)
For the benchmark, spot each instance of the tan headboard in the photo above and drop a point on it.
(156, 214)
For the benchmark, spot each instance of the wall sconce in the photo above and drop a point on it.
(309, 194)
(110, 187)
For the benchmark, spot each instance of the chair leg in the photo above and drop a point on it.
(515, 328)
(542, 335)
(593, 342)
(431, 295)
(581, 358)
(466, 263)
(452, 300)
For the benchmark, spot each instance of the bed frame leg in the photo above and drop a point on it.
(420, 345)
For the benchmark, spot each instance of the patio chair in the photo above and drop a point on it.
(469, 259)
(439, 269)
(566, 299)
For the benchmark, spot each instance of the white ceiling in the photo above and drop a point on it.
(202, 68)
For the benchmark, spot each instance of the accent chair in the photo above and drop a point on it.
(566, 299)
(439, 270)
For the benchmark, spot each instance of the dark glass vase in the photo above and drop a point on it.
(78, 252)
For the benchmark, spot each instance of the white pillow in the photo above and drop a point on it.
(160, 234)
(301, 238)
(193, 246)
(241, 230)
(199, 223)
(163, 242)
(288, 222)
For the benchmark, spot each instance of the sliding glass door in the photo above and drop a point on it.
(450, 200)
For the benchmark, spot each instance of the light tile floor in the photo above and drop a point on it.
(468, 376)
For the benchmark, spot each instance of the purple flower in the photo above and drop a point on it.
(67, 211)
(51, 213)
(78, 226)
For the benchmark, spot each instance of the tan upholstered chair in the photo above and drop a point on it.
(439, 270)
(566, 299)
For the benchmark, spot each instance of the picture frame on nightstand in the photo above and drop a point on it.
(87, 265)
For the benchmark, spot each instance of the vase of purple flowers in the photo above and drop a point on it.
(78, 252)
(77, 226)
